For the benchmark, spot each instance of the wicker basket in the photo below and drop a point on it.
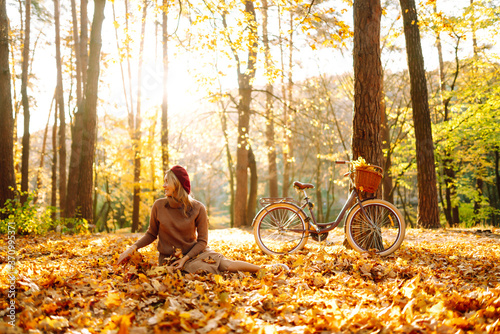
(367, 178)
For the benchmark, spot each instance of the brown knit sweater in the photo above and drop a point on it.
(174, 230)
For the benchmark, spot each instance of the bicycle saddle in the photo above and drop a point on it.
(301, 186)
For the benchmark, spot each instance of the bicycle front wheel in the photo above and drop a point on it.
(378, 227)
(280, 228)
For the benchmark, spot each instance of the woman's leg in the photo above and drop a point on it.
(234, 266)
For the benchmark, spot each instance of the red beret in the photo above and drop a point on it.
(183, 177)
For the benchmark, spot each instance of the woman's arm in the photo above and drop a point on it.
(152, 232)
(201, 222)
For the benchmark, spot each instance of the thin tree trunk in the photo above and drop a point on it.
(366, 140)
(76, 48)
(385, 131)
(450, 209)
(136, 130)
(428, 210)
(42, 155)
(252, 194)
(223, 120)
(62, 114)
(53, 198)
(7, 176)
(319, 196)
(287, 116)
(164, 104)
(497, 172)
(90, 114)
(26, 106)
(270, 142)
(84, 40)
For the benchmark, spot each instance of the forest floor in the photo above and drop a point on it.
(439, 281)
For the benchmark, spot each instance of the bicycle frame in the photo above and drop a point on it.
(353, 197)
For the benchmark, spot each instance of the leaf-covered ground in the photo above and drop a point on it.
(444, 281)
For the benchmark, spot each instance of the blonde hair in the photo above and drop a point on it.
(180, 194)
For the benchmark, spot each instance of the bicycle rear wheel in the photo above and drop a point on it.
(280, 228)
(379, 227)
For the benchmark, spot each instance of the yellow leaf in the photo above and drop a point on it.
(113, 299)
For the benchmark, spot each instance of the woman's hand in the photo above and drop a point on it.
(126, 254)
(179, 264)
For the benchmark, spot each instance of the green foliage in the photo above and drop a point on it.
(29, 218)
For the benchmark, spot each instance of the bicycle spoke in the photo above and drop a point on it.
(281, 230)
(374, 227)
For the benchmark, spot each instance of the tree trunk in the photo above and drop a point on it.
(288, 117)
(252, 194)
(42, 156)
(53, 197)
(74, 162)
(497, 172)
(76, 48)
(80, 49)
(26, 106)
(136, 130)
(319, 195)
(478, 199)
(428, 210)
(245, 98)
(450, 209)
(270, 143)
(366, 132)
(366, 140)
(229, 167)
(84, 40)
(164, 104)
(387, 193)
(90, 114)
(62, 114)
(7, 176)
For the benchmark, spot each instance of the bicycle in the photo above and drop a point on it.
(283, 226)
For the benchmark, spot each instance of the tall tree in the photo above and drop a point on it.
(366, 132)
(90, 114)
(135, 128)
(164, 103)
(450, 207)
(270, 142)
(245, 78)
(26, 104)
(287, 111)
(7, 177)
(62, 114)
(80, 53)
(428, 211)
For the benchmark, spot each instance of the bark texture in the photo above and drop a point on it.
(90, 115)
(366, 140)
(245, 98)
(428, 210)
(26, 106)
(7, 176)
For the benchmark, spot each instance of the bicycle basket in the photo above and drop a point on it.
(367, 178)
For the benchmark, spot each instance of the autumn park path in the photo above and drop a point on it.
(439, 281)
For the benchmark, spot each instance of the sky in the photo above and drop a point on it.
(182, 90)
